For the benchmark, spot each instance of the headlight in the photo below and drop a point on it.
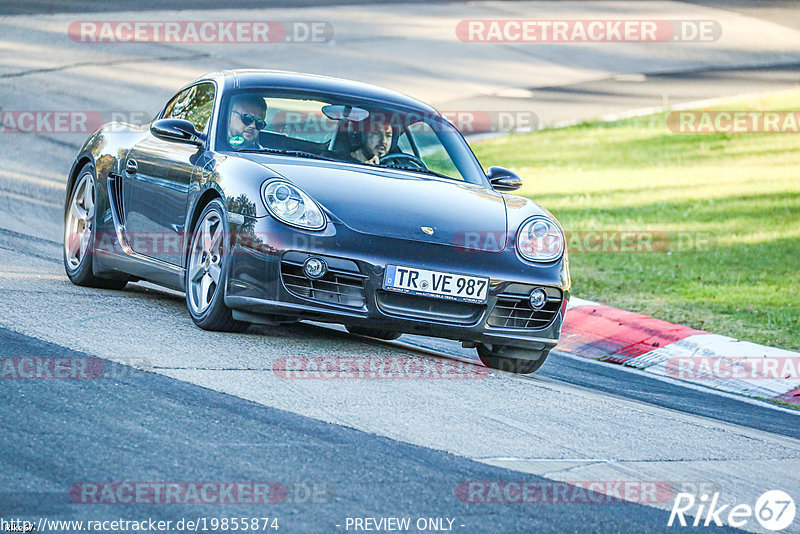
(289, 204)
(540, 239)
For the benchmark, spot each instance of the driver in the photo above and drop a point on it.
(246, 120)
(374, 143)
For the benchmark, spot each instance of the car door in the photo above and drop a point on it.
(157, 177)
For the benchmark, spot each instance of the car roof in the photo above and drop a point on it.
(242, 79)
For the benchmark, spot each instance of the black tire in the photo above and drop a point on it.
(77, 263)
(500, 358)
(387, 335)
(215, 316)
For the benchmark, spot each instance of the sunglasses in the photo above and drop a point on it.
(248, 119)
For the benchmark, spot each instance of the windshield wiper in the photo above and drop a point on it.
(415, 169)
(296, 153)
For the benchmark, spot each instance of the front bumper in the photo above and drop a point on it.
(265, 282)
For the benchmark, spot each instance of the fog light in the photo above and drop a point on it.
(538, 298)
(315, 268)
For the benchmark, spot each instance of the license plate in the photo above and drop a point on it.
(436, 284)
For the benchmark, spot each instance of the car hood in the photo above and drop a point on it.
(393, 203)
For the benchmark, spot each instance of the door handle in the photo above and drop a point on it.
(131, 167)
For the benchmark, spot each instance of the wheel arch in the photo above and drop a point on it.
(200, 202)
(80, 162)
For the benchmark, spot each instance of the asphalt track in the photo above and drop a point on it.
(111, 428)
(213, 407)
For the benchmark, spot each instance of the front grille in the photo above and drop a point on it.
(514, 311)
(338, 286)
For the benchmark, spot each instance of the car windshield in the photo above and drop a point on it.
(346, 130)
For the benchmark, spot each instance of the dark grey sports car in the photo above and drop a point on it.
(272, 197)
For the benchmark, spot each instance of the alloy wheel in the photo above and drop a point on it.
(79, 220)
(205, 262)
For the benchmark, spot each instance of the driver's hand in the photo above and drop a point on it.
(375, 160)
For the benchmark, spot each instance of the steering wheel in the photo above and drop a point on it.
(401, 159)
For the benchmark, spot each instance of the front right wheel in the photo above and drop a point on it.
(508, 359)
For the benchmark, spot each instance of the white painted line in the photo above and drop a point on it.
(696, 104)
(695, 385)
(714, 347)
(575, 301)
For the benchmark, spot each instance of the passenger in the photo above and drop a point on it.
(246, 121)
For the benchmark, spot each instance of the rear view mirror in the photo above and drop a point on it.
(337, 112)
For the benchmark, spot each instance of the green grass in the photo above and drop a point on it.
(741, 191)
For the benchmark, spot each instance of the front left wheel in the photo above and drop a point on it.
(207, 266)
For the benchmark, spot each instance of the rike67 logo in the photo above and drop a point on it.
(774, 510)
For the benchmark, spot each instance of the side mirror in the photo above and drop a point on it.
(503, 179)
(177, 130)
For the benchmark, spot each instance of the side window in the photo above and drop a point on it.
(194, 104)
